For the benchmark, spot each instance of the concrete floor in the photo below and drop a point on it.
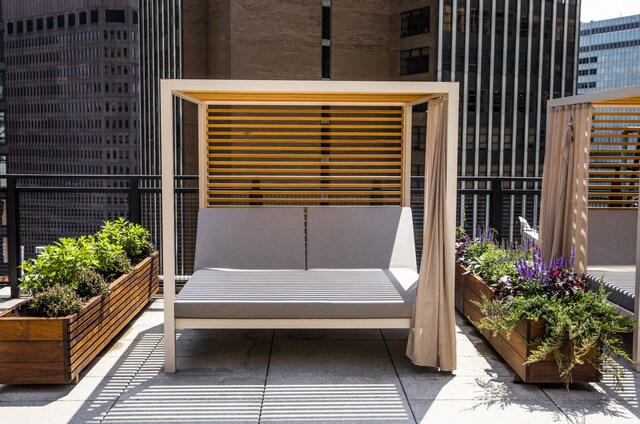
(306, 376)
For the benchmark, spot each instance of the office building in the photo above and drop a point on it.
(73, 107)
(609, 54)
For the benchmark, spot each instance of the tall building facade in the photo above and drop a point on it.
(509, 56)
(609, 54)
(73, 106)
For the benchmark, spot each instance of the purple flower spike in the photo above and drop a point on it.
(572, 260)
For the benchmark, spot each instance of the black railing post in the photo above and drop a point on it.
(135, 204)
(495, 218)
(13, 235)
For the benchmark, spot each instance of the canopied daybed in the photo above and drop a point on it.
(312, 145)
(590, 190)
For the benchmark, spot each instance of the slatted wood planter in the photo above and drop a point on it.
(55, 350)
(517, 347)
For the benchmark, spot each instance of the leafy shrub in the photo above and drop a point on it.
(81, 266)
(133, 238)
(57, 264)
(90, 283)
(54, 301)
(111, 260)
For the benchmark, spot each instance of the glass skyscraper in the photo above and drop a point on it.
(609, 54)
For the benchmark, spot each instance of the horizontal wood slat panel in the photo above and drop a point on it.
(302, 155)
(614, 159)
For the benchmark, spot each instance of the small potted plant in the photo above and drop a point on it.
(83, 292)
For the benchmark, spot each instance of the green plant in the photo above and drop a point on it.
(581, 325)
(493, 264)
(54, 301)
(110, 259)
(57, 264)
(133, 238)
(579, 329)
(90, 283)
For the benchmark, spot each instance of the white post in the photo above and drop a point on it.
(635, 354)
(168, 224)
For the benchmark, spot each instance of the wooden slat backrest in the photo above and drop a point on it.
(614, 159)
(304, 155)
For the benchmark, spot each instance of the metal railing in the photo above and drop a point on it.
(39, 209)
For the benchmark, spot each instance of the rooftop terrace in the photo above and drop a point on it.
(306, 376)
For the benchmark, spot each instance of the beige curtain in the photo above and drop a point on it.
(432, 340)
(563, 217)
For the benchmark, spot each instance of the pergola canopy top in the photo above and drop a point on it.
(627, 97)
(308, 92)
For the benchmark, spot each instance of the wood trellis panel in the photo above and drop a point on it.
(304, 155)
(614, 159)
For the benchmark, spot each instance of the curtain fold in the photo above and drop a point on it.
(432, 340)
(564, 203)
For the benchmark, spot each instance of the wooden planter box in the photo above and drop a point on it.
(55, 350)
(517, 347)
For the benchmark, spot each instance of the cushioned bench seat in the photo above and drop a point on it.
(316, 267)
(619, 280)
(298, 294)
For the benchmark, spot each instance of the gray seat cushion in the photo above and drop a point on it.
(619, 281)
(250, 238)
(265, 294)
(360, 237)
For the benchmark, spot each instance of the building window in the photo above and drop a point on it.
(20, 27)
(414, 61)
(49, 22)
(326, 23)
(114, 15)
(418, 137)
(591, 84)
(83, 18)
(39, 24)
(9, 27)
(94, 16)
(30, 25)
(71, 19)
(415, 22)
(60, 21)
(135, 17)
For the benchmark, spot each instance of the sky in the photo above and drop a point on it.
(596, 10)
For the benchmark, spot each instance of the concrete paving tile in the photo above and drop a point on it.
(330, 348)
(198, 404)
(598, 412)
(466, 347)
(323, 366)
(134, 331)
(86, 389)
(61, 412)
(214, 364)
(463, 348)
(466, 366)
(479, 412)
(395, 333)
(222, 347)
(213, 334)
(441, 386)
(150, 317)
(335, 399)
(330, 334)
(558, 393)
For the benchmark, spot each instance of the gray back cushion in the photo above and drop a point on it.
(250, 238)
(360, 237)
